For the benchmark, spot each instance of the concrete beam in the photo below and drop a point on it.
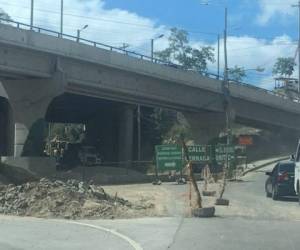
(125, 150)
(104, 74)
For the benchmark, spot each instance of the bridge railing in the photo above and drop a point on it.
(25, 26)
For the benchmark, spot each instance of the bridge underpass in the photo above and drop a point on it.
(59, 67)
(109, 124)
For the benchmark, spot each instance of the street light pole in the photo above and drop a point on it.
(31, 14)
(61, 17)
(152, 49)
(78, 35)
(139, 132)
(152, 46)
(79, 30)
(225, 50)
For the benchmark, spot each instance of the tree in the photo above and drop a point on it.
(284, 66)
(179, 51)
(68, 132)
(237, 73)
(4, 15)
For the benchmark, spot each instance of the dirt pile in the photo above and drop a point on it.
(71, 199)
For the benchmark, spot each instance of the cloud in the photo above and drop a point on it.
(278, 8)
(118, 26)
(109, 26)
(250, 53)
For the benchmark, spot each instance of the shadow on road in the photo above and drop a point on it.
(289, 199)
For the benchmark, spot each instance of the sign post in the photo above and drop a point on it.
(200, 153)
(221, 152)
(168, 157)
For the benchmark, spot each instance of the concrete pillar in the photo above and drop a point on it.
(125, 151)
(21, 134)
(6, 128)
(102, 132)
(29, 100)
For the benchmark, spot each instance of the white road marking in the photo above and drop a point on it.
(133, 243)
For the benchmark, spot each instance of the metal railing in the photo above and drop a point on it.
(25, 26)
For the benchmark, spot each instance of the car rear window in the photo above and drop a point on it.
(289, 167)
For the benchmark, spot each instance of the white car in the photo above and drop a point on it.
(297, 172)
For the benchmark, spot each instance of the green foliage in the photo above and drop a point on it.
(67, 132)
(179, 51)
(284, 66)
(237, 73)
(4, 15)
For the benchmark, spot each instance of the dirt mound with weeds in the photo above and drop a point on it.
(71, 200)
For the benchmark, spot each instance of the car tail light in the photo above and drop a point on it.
(283, 176)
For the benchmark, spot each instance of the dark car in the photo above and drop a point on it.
(281, 180)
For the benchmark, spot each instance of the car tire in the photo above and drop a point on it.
(267, 189)
(275, 193)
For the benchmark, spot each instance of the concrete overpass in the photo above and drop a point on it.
(45, 76)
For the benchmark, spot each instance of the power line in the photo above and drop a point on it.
(106, 19)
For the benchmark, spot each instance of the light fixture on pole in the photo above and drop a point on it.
(61, 17)
(124, 46)
(31, 14)
(152, 45)
(79, 31)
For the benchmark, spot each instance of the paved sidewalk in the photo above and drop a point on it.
(262, 163)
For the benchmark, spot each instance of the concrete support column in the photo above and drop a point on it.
(21, 134)
(6, 128)
(125, 151)
(102, 132)
(29, 100)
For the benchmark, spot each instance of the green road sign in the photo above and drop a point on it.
(200, 153)
(220, 153)
(168, 157)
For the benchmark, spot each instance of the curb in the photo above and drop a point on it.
(265, 164)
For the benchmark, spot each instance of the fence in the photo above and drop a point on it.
(20, 25)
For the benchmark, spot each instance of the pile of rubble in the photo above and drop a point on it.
(71, 199)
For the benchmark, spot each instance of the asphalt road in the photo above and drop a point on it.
(252, 221)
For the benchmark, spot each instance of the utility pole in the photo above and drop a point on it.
(31, 14)
(61, 17)
(78, 36)
(226, 92)
(225, 51)
(218, 56)
(139, 131)
(298, 6)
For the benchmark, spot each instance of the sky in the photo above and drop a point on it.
(259, 31)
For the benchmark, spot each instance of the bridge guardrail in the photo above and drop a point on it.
(133, 54)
